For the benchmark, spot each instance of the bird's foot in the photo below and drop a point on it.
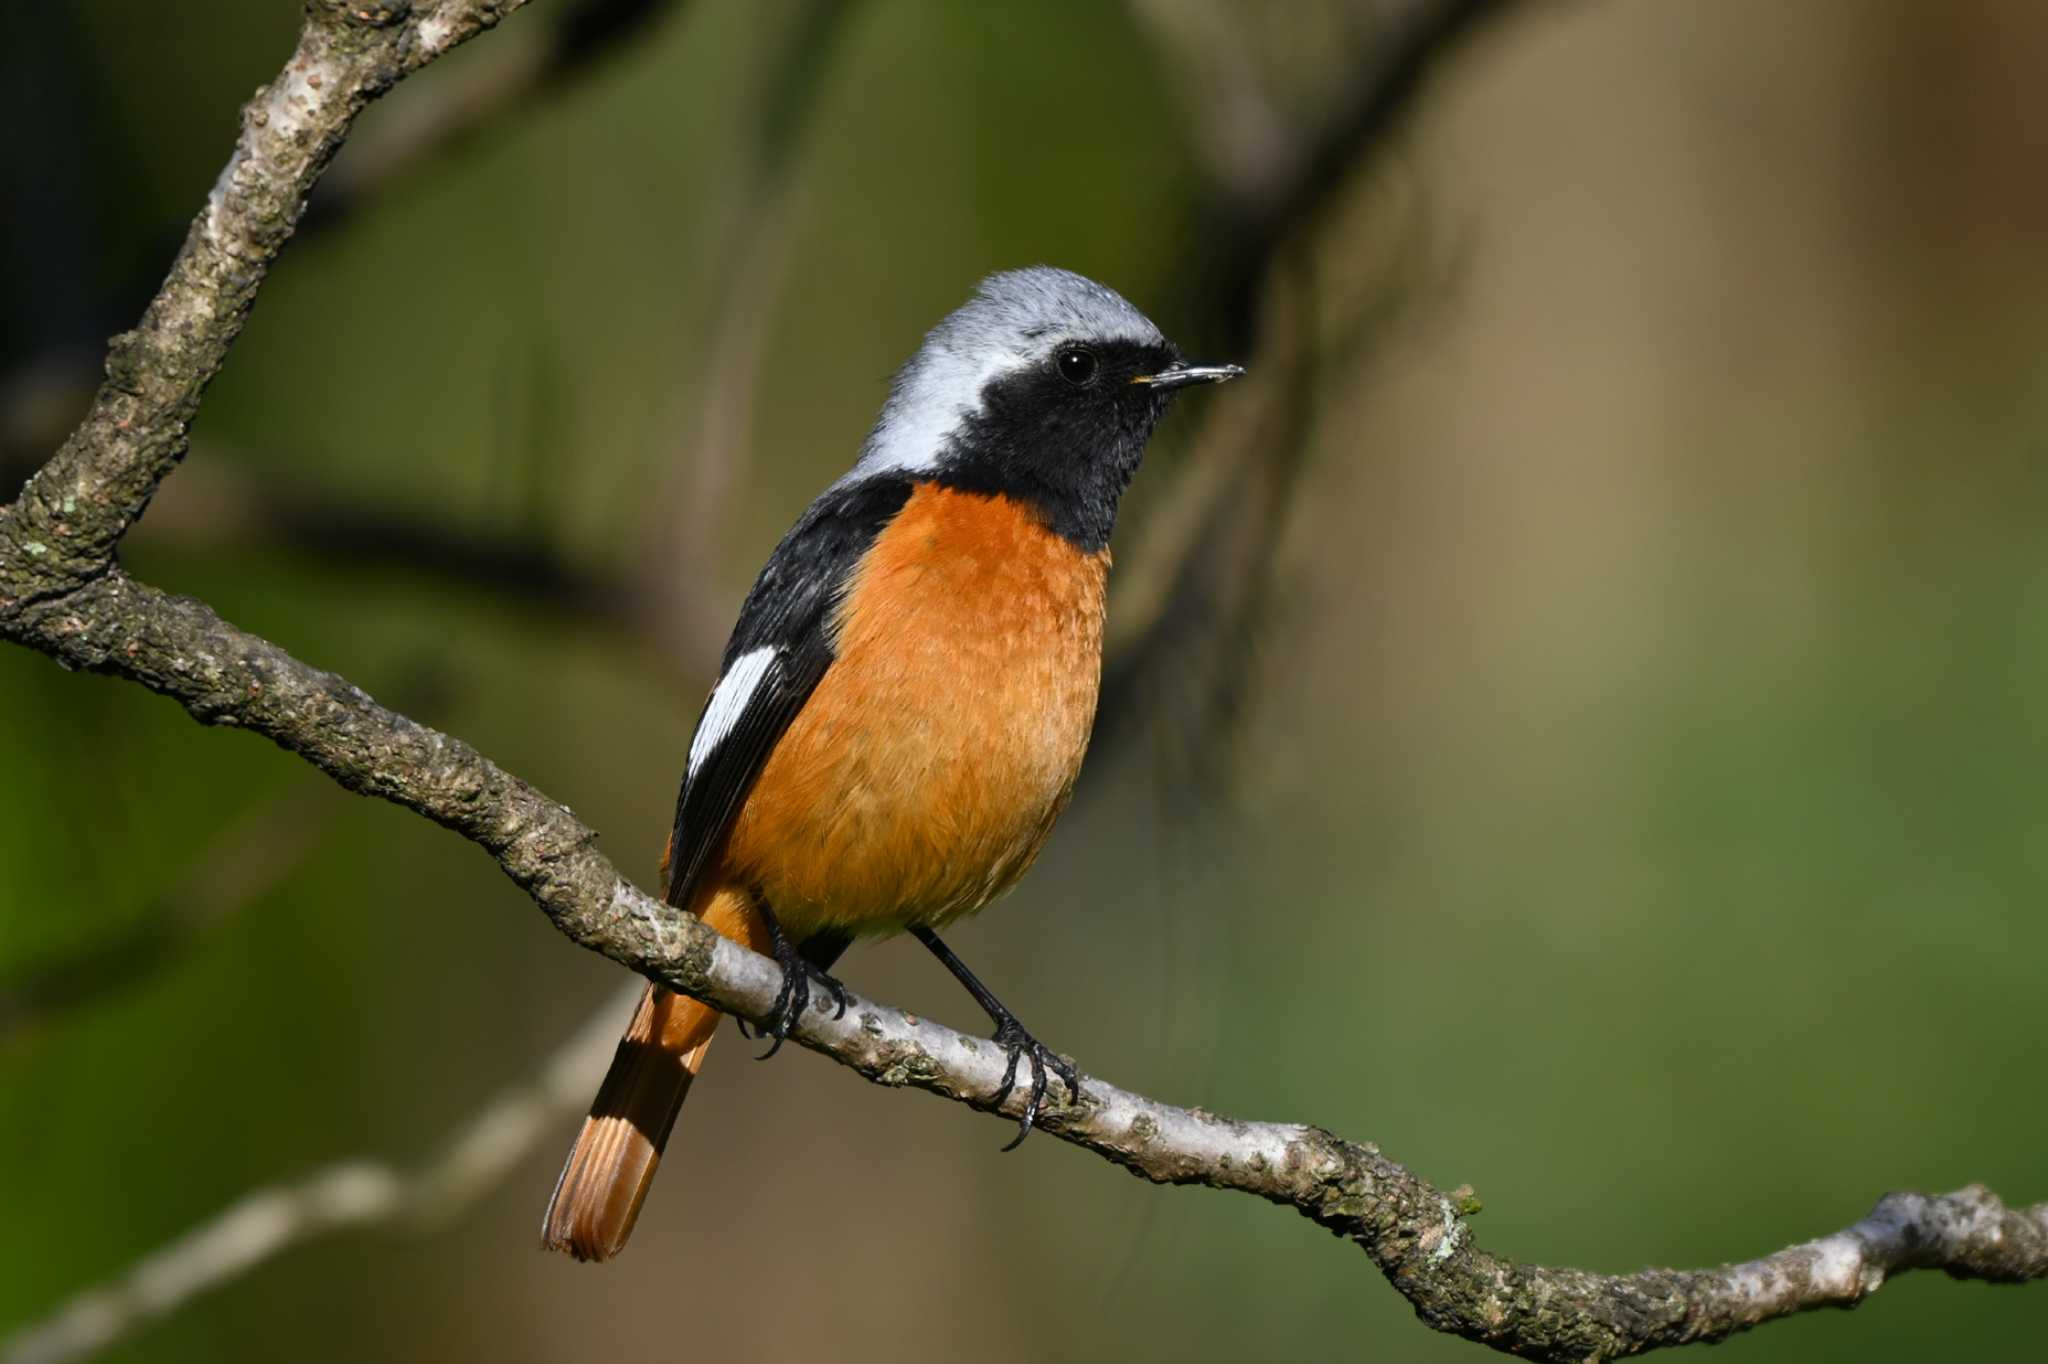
(795, 995)
(1045, 1063)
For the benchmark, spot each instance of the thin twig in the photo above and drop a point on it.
(62, 594)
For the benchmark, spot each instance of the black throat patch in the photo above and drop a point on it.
(1067, 451)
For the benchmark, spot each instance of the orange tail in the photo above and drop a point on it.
(610, 1168)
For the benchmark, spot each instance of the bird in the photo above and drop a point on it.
(903, 706)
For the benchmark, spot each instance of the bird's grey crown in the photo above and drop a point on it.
(1015, 319)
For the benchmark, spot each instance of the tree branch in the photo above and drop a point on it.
(61, 593)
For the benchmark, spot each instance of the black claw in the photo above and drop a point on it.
(1009, 1073)
(790, 1002)
(795, 995)
(1045, 1064)
(1012, 1038)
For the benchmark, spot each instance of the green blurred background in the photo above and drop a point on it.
(1617, 786)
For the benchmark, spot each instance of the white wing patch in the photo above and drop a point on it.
(729, 702)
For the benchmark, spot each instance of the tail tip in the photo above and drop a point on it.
(598, 1195)
(578, 1247)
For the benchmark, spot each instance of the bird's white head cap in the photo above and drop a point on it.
(1015, 319)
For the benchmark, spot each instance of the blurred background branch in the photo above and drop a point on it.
(684, 535)
(1185, 666)
(353, 1195)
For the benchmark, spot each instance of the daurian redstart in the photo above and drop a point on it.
(906, 698)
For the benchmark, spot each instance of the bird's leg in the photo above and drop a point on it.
(798, 971)
(1012, 1038)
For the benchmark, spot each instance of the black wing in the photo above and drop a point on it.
(779, 650)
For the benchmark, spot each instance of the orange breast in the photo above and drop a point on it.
(922, 777)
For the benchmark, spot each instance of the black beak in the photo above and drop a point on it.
(1179, 375)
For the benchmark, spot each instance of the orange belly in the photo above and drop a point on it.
(923, 775)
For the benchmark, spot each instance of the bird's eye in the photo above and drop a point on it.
(1076, 365)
